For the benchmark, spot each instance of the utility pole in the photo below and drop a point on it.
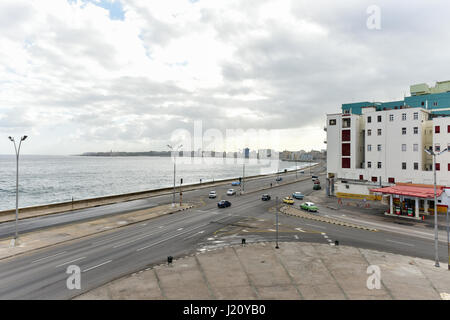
(243, 175)
(436, 235)
(448, 240)
(296, 170)
(16, 236)
(174, 170)
(181, 193)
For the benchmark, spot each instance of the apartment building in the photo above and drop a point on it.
(372, 145)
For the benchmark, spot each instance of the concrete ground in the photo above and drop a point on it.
(52, 236)
(296, 270)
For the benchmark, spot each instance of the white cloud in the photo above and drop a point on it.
(76, 80)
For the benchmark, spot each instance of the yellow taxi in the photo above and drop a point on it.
(288, 200)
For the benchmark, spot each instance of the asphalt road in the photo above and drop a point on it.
(7, 229)
(106, 256)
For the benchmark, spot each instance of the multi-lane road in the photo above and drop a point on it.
(106, 256)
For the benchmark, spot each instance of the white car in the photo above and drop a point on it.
(231, 192)
(212, 194)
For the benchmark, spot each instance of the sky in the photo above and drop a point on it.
(135, 75)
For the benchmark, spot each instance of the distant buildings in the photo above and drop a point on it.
(302, 155)
(372, 145)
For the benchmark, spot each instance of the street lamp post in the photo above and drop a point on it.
(276, 219)
(436, 236)
(17, 180)
(174, 170)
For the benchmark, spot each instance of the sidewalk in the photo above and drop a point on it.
(295, 271)
(56, 235)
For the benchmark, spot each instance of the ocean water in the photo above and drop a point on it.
(53, 179)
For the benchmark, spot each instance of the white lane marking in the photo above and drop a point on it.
(99, 265)
(48, 257)
(403, 243)
(131, 241)
(78, 259)
(179, 229)
(328, 240)
(196, 234)
(174, 236)
(296, 237)
(144, 224)
(326, 237)
(316, 226)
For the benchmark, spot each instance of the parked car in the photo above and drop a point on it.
(298, 195)
(314, 177)
(279, 179)
(288, 200)
(223, 203)
(212, 194)
(231, 192)
(265, 197)
(317, 181)
(303, 171)
(317, 187)
(236, 183)
(309, 206)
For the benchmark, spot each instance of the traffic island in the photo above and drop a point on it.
(295, 271)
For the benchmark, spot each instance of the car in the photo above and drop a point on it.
(298, 195)
(309, 206)
(317, 181)
(313, 177)
(236, 183)
(317, 187)
(231, 192)
(223, 204)
(265, 197)
(288, 200)
(303, 171)
(279, 179)
(212, 194)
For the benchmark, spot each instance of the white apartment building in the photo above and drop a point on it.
(380, 148)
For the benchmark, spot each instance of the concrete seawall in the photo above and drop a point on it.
(41, 210)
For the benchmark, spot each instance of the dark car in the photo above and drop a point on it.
(223, 203)
(265, 197)
(278, 179)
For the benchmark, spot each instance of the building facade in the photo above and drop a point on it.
(373, 145)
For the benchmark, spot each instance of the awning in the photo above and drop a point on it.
(411, 191)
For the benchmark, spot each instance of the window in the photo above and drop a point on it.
(379, 132)
(346, 123)
(415, 147)
(403, 131)
(416, 166)
(379, 118)
(332, 122)
(448, 166)
(448, 128)
(345, 135)
(346, 149)
(438, 166)
(369, 119)
(369, 147)
(369, 132)
(379, 165)
(391, 117)
(416, 130)
(416, 115)
(403, 165)
(391, 180)
(437, 147)
(361, 177)
(403, 116)
(369, 164)
(437, 129)
(345, 163)
(403, 147)
(374, 179)
(423, 103)
(379, 147)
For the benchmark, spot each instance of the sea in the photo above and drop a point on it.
(54, 179)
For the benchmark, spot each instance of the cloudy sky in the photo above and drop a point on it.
(97, 75)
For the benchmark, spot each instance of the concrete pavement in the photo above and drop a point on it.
(295, 271)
